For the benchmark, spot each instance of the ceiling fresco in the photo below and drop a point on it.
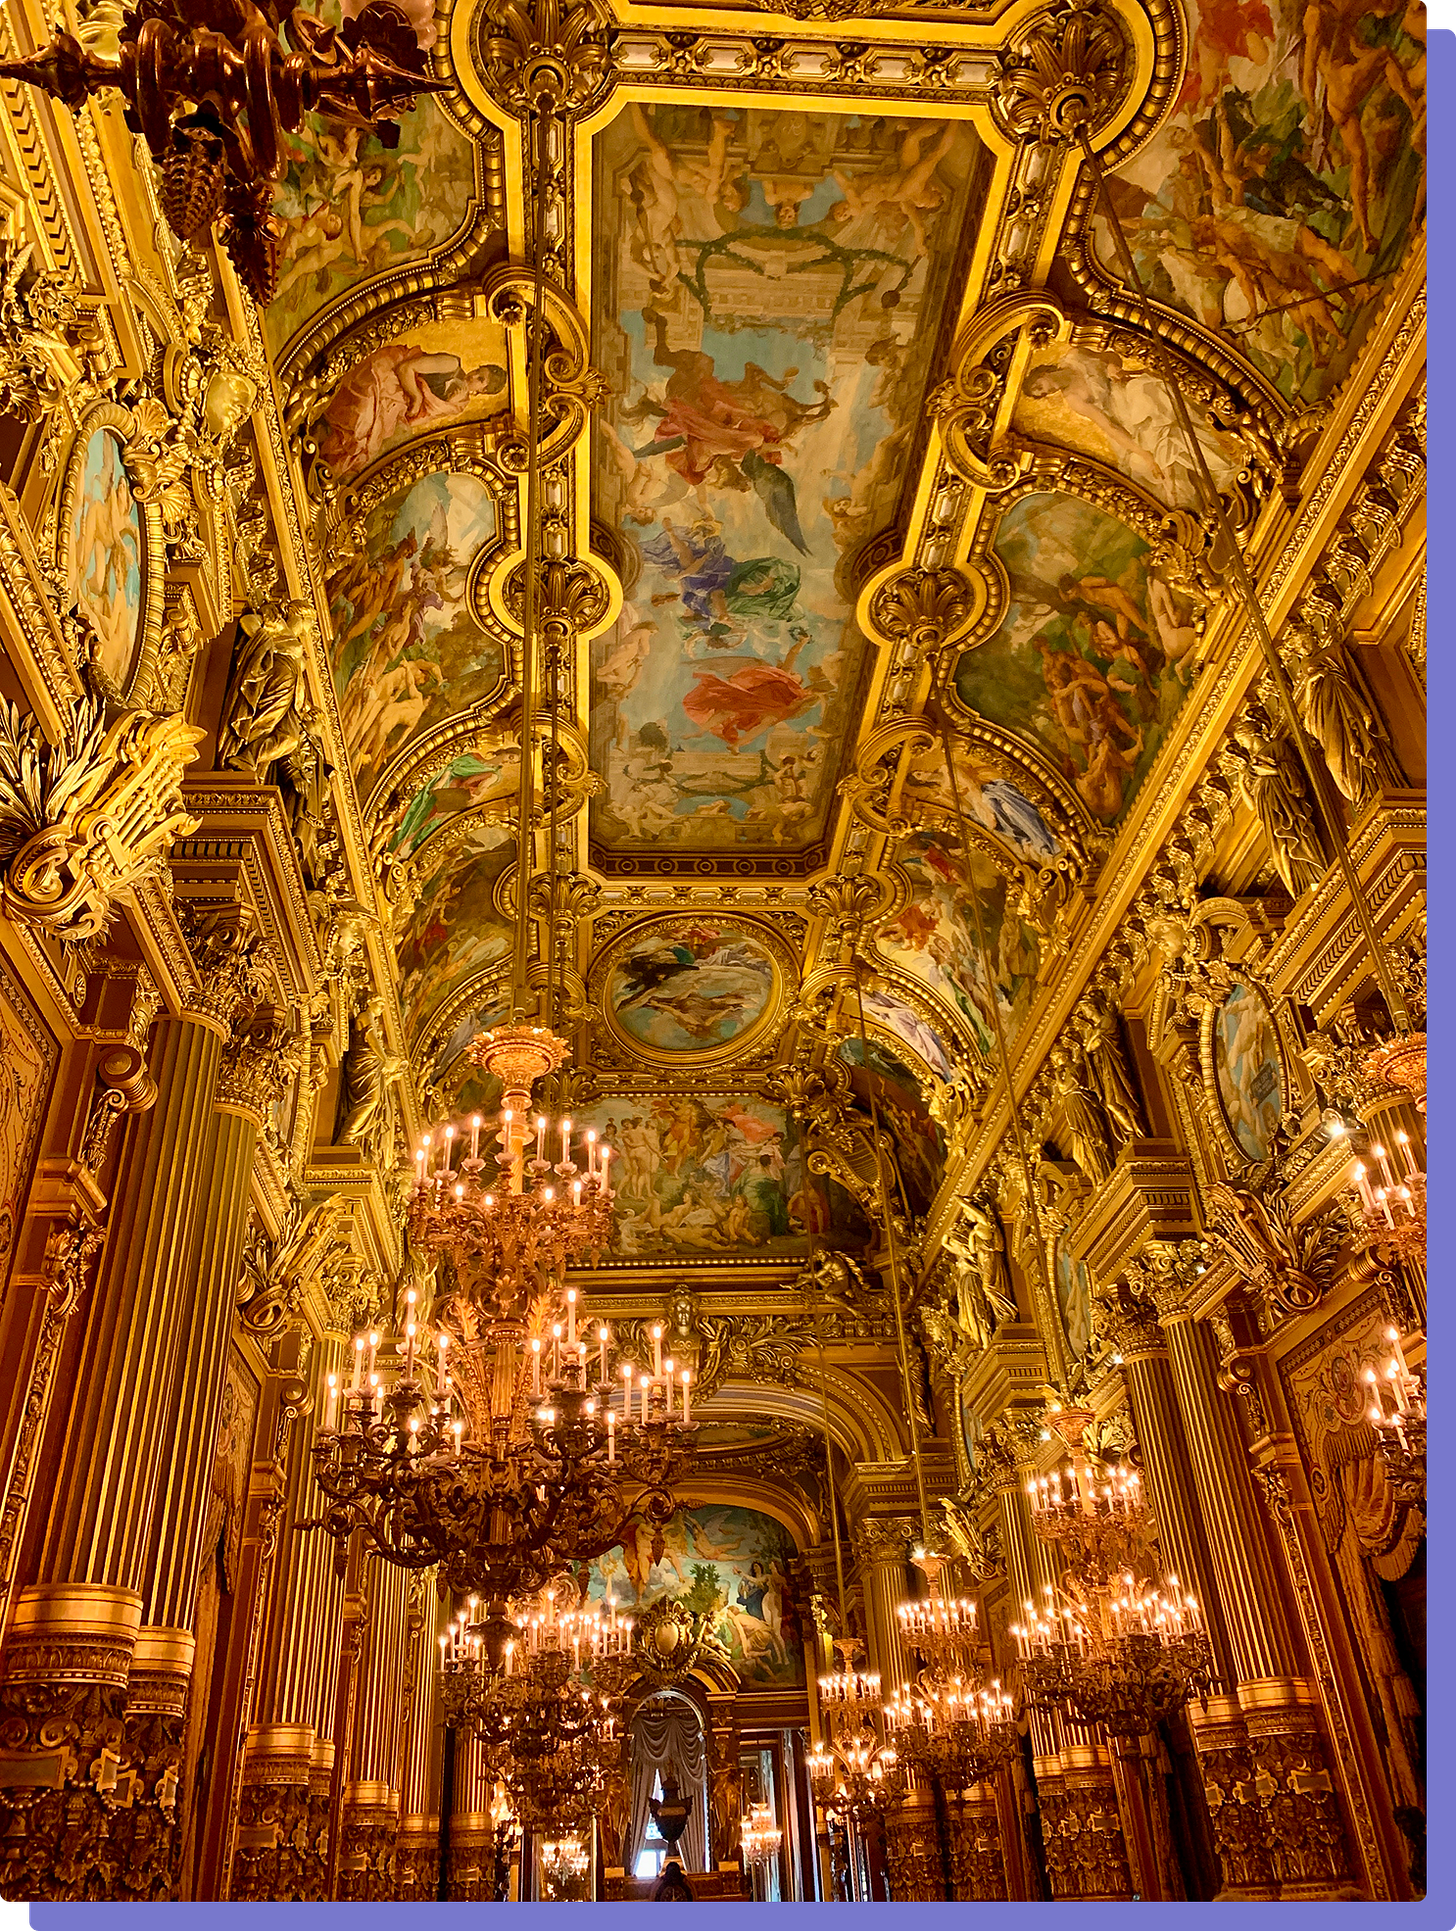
(768, 288)
(811, 352)
(1285, 186)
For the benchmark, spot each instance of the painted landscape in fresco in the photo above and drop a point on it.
(451, 929)
(728, 1563)
(901, 1105)
(934, 938)
(353, 207)
(690, 984)
(767, 289)
(1074, 1299)
(1094, 654)
(106, 554)
(407, 651)
(468, 783)
(1248, 1070)
(442, 373)
(897, 1016)
(986, 793)
(1099, 403)
(708, 1174)
(1289, 181)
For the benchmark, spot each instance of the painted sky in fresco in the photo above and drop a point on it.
(767, 287)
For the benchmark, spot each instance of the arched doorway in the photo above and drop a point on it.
(667, 1740)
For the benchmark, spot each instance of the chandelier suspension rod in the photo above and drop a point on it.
(894, 1253)
(824, 1396)
(526, 797)
(1249, 596)
(1003, 1051)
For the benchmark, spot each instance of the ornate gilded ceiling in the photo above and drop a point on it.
(851, 431)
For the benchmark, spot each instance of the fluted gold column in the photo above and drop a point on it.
(156, 1714)
(370, 1816)
(418, 1859)
(472, 1832)
(1277, 1821)
(277, 1853)
(110, 1478)
(882, 1556)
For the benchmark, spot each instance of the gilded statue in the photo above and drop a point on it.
(1343, 723)
(1106, 1062)
(369, 1067)
(1274, 789)
(265, 715)
(986, 1255)
(1082, 1124)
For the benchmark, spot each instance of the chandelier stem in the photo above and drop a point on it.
(525, 836)
(1253, 608)
(1003, 1054)
(911, 1425)
(824, 1398)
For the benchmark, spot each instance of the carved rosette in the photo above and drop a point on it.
(922, 610)
(546, 56)
(1063, 73)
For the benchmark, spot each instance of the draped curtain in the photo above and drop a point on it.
(667, 1738)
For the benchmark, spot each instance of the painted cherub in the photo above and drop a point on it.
(908, 187)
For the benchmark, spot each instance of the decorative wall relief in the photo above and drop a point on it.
(28, 1058)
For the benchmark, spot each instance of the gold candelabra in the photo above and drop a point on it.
(950, 1721)
(1398, 1414)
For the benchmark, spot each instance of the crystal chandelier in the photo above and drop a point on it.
(565, 1862)
(520, 1449)
(855, 1775)
(950, 1722)
(760, 1836)
(535, 1689)
(1398, 1415)
(1391, 1196)
(1115, 1646)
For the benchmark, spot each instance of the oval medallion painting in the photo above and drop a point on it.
(106, 555)
(690, 986)
(1248, 1071)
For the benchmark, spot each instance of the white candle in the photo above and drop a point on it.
(602, 1339)
(555, 1349)
(591, 1153)
(329, 1400)
(1384, 1160)
(1392, 1335)
(626, 1391)
(1367, 1199)
(475, 1126)
(373, 1349)
(409, 1349)
(1402, 1140)
(458, 1429)
(656, 1349)
(565, 1143)
(571, 1317)
(358, 1362)
(687, 1411)
(442, 1344)
(611, 1434)
(667, 1382)
(535, 1364)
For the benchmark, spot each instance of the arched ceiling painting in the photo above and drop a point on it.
(852, 433)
